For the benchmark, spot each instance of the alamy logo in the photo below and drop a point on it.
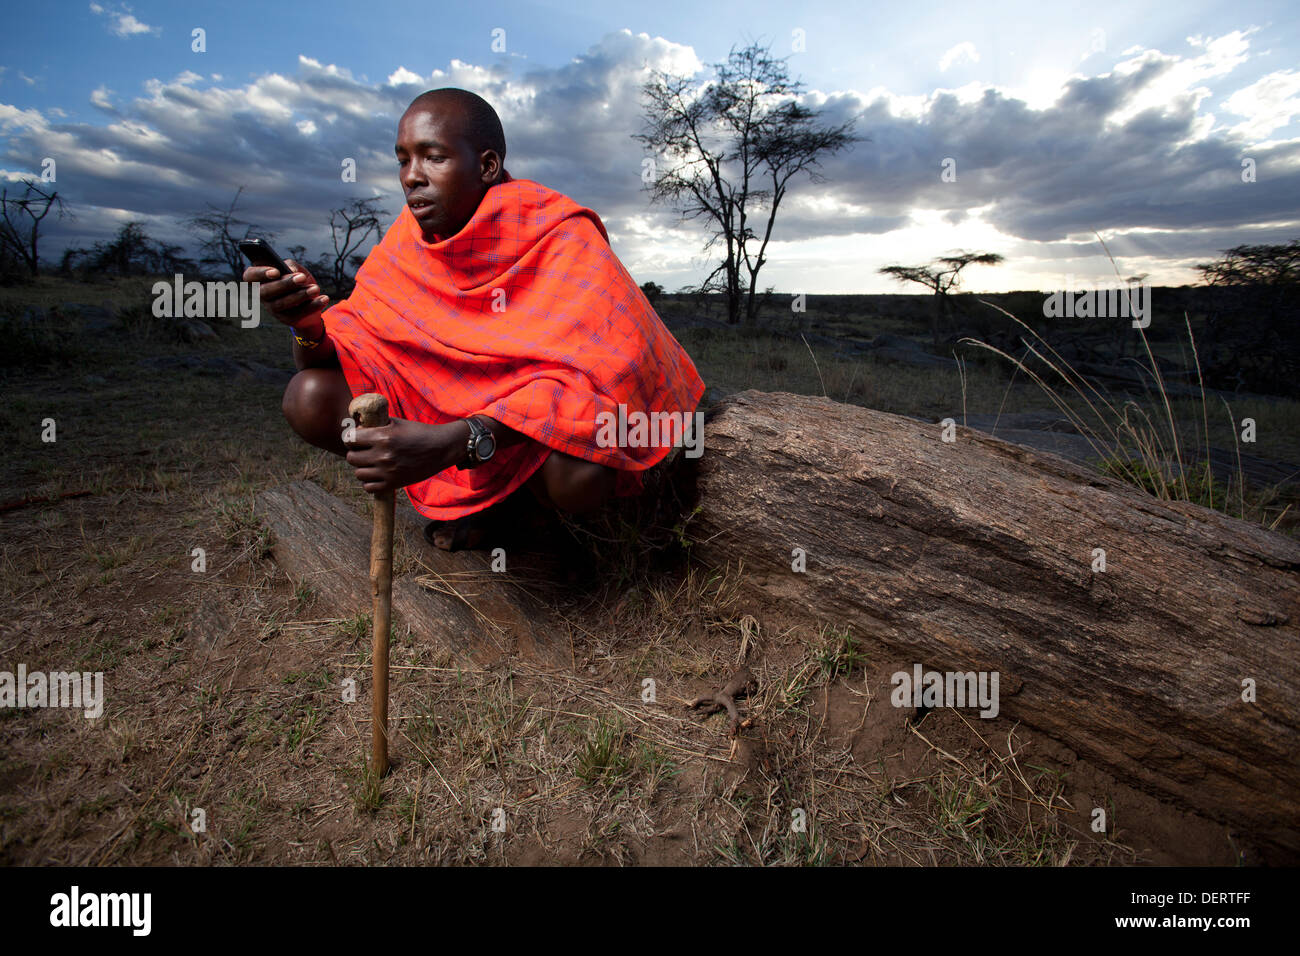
(1082, 300)
(84, 691)
(651, 430)
(948, 689)
(102, 909)
(208, 300)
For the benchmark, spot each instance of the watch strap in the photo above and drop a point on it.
(477, 431)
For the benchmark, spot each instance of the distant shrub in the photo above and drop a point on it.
(31, 338)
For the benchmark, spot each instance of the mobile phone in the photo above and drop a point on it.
(260, 253)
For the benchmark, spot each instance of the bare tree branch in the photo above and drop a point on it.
(219, 233)
(20, 222)
(350, 227)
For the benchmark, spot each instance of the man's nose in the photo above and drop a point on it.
(411, 176)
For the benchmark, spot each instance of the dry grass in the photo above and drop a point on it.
(225, 689)
(1148, 443)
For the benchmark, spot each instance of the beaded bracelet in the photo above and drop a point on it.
(308, 343)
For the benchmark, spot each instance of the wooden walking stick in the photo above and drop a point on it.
(371, 411)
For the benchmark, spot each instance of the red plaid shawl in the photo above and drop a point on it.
(525, 315)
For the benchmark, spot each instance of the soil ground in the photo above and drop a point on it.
(226, 738)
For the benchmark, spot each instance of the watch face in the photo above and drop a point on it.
(485, 447)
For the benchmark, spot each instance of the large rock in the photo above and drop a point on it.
(979, 555)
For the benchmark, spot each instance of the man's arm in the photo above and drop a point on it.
(320, 355)
(404, 452)
(297, 301)
(503, 435)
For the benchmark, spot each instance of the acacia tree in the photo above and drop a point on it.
(1273, 265)
(130, 252)
(20, 222)
(219, 232)
(350, 227)
(941, 276)
(731, 148)
(1253, 292)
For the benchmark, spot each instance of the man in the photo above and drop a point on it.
(499, 325)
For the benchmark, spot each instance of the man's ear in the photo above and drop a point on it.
(490, 165)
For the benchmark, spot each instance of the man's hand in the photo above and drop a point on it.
(403, 452)
(292, 299)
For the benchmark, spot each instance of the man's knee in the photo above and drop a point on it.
(314, 404)
(576, 485)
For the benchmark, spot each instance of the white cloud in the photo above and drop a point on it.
(1033, 177)
(1270, 103)
(1177, 82)
(126, 25)
(403, 77)
(123, 23)
(964, 51)
(26, 121)
(100, 98)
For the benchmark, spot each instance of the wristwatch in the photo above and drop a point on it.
(481, 447)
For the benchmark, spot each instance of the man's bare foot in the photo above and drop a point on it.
(514, 518)
(466, 533)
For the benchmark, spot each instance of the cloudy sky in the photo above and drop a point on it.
(1127, 119)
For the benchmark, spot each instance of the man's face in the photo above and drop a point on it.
(443, 177)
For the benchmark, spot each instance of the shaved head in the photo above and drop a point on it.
(481, 126)
(450, 150)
